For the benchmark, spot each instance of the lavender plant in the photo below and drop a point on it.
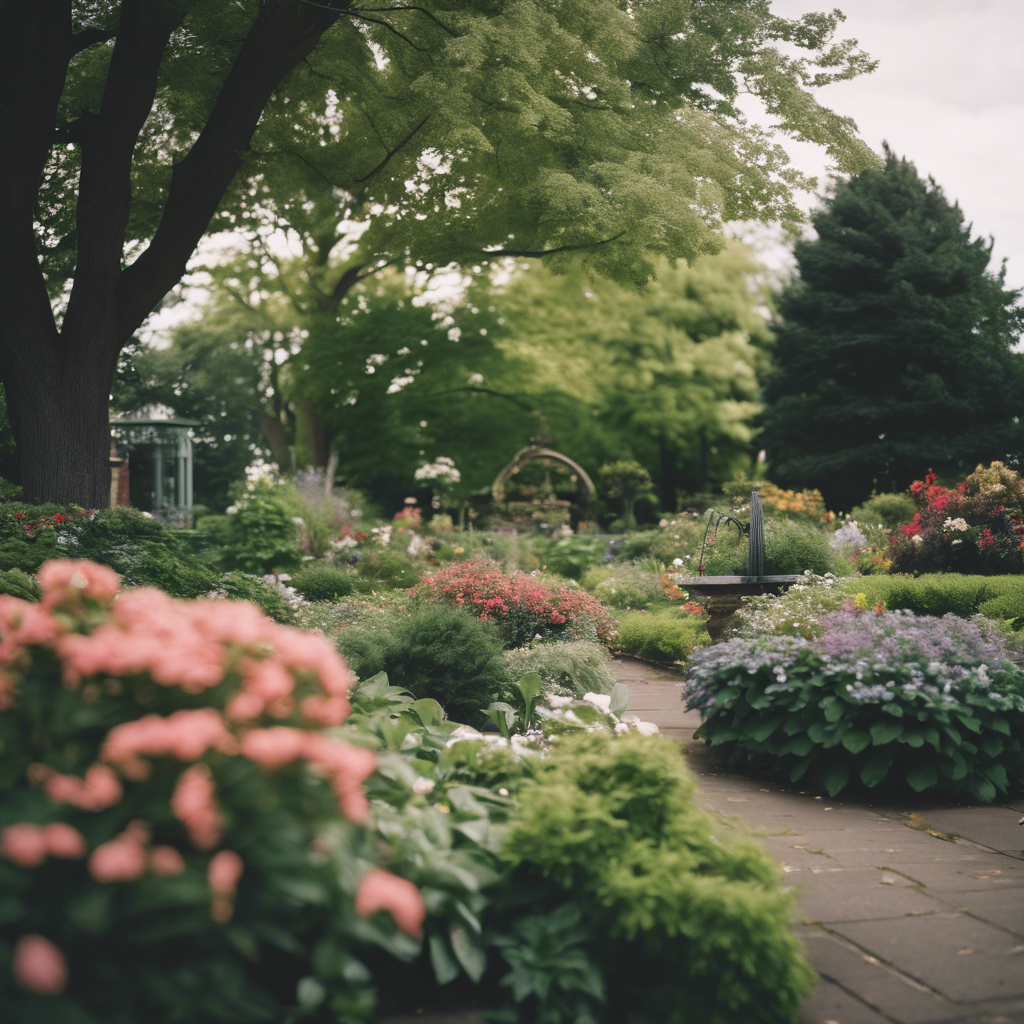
(930, 703)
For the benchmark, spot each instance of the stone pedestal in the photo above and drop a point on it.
(721, 609)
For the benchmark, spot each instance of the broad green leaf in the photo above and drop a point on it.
(981, 789)
(992, 745)
(763, 730)
(446, 966)
(620, 698)
(800, 770)
(971, 723)
(470, 952)
(912, 739)
(856, 740)
(529, 686)
(428, 711)
(835, 778)
(997, 773)
(833, 709)
(922, 777)
(885, 732)
(876, 766)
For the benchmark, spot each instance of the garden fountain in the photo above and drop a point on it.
(723, 595)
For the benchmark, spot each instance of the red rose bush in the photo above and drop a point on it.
(181, 837)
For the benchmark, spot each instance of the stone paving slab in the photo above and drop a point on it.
(955, 954)
(998, 828)
(992, 906)
(830, 895)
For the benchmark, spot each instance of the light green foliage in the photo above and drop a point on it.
(241, 586)
(435, 651)
(888, 510)
(262, 536)
(383, 569)
(668, 636)
(631, 585)
(18, 584)
(628, 480)
(576, 666)
(570, 557)
(323, 583)
(791, 548)
(680, 537)
(674, 923)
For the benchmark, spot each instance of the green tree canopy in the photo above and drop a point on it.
(449, 129)
(894, 347)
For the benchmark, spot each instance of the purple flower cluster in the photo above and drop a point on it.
(876, 658)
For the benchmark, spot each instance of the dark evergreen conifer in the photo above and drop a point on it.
(894, 347)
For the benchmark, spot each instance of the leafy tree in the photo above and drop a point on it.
(894, 349)
(668, 376)
(628, 480)
(451, 129)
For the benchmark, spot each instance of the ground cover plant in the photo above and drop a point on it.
(668, 636)
(521, 605)
(575, 667)
(179, 838)
(919, 702)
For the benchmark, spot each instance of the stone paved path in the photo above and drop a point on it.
(910, 915)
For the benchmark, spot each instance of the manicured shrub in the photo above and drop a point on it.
(179, 838)
(624, 904)
(921, 702)
(323, 583)
(391, 570)
(520, 605)
(975, 527)
(263, 535)
(19, 584)
(668, 636)
(678, 537)
(576, 666)
(435, 651)
(888, 510)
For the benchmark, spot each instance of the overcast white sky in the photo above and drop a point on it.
(948, 95)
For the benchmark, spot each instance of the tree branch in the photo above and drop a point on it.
(89, 37)
(283, 35)
(392, 152)
(533, 253)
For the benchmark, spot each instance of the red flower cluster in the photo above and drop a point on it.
(33, 527)
(520, 605)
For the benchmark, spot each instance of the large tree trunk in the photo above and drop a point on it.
(57, 380)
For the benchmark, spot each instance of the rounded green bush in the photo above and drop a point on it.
(19, 584)
(579, 666)
(241, 586)
(323, 583)
(392, 570)
(790, 548)
(668, 636)
(630, 586)
(435, 651)
(618, 869)
(888, 510)
(177, 575)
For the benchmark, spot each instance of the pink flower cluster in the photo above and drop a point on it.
(98, 790)
(222, 874)
(39, 966)
(520, 602)
(186, 735)
(380, 890)
(29, 845)
(194, 804)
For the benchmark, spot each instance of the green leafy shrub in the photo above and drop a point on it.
(570, 557)
(435, 651)
(241, 586)
(679, 537)
(177, 575)
(791, 547)
(19, 584)
(668, 636)
(921, 702)
(172, 846)
(888, 510)
(576, 666)
(393, 570)
(323, 583)
(631, 585)
(263, 536)
(623, 904)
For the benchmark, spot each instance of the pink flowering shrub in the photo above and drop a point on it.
(520, 605)
(976, 527)
(180, 839)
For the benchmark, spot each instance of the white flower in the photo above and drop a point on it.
(644, 728)
(917, 539)
(677, 561)
(422, 785)
(958, 542)
(464, 732)
(600, 700)
(955, 524)
(555, 701)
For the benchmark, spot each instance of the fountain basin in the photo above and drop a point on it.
(723, 595)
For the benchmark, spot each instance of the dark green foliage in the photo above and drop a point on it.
(390, 570)
(667, 636)
(18, 584)
(323, 583)
(243, 587)
(177, 575)
(624, 905)
(435, 651)
(888, 510)
(894, 347)
(261, 536)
